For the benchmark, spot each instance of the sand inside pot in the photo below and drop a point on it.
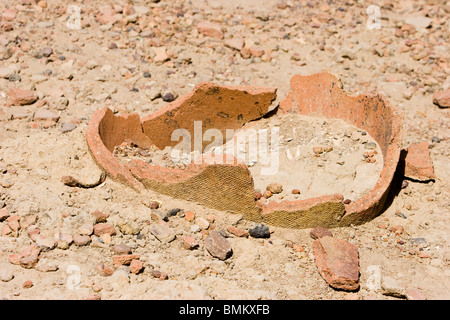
(307, 156)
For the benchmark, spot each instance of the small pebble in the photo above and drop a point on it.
(189, 216)
(158, 215)
(15, 77)
(160, 275)
(267, 194)
(6, 275)
(400, 214)
(370, 145)
(418, 241)
(317, 150)
(81, 240)
(121, 249)
(202, 223)
(435, 139)
(47, 51)
(189, 243)
(112, 45)
(238, 232)
(67, 127)
(275, 188)
(27, 284)
(173, 212)
(168, 97)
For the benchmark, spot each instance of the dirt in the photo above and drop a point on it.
(103, 65)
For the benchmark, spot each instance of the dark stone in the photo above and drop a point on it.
(259, 231)
(168, 97)
(173, 212)
(15, 77)
(435, 139)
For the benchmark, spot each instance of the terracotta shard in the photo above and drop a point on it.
(418, 162)
(210, 106)
(104, 132)
(338, 262)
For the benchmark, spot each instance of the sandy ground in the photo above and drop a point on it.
(113, 60)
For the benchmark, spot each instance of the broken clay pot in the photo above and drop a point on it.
(228, 185)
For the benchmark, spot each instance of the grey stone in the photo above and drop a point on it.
(390, 287)
(67, 127)
(43, 114)
(163, 232)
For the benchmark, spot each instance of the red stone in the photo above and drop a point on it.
(442, 98)
(99, 216)
(104, 270)
(124, 259)
(14, 223)
(29, 262)
(21, 97)
(235, 43)
(136, 266)
(338, 262)
(106, 15)
(238, 232)
(415, 294)
(4, 214)
(319, 232)
(210, 29)
(189, 243)
(218, 246)
(160, 275)
(81, 240)
(104, 228)
(189, 216)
